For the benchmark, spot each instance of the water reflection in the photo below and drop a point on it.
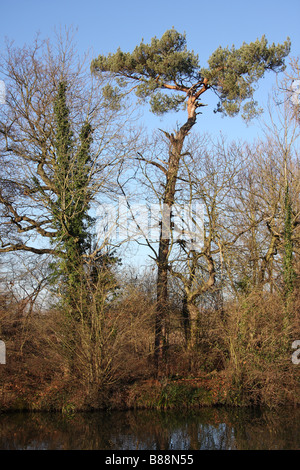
(206, 429)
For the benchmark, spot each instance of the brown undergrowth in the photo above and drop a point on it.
(243, 357)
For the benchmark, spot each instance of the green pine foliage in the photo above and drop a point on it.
(165, 64)
(164, 60)
(153, 67)
(233, 72)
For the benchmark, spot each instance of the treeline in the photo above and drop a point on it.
(213, 318)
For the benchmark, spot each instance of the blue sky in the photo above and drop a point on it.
(104, 26)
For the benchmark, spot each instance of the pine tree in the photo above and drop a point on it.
(168, 76)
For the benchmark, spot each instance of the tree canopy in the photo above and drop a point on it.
(166, 64)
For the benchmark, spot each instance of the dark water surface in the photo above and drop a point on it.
(206, 429)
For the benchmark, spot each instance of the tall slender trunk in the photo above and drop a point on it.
(175, 151)
(193, 317)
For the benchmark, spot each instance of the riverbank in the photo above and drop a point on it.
(186, 393)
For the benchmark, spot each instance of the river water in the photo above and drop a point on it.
(205, 429)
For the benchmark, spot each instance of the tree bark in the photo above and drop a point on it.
(193, 319)
(175, 151)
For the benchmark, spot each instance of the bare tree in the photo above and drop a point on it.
(271, 166)
(28, 141)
